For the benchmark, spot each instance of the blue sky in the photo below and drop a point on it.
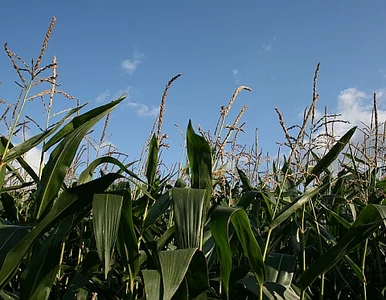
(107, 47)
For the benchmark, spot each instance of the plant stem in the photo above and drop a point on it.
(27, 90)
(363, 269)
(266, 243)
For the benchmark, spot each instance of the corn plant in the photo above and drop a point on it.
(312, 226)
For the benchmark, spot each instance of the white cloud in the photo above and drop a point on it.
(130, 65)
(356, 107)
(236, 75)
(102, 96)
(32, 157)
(144, 110)
(266, 47)
(383, 73)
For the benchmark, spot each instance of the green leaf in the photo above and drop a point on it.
(174, 265)
(329, 158)
(368, 221)
(127, 242)
(158, 209)
(71, 201)
(200, 162)
(245, 180)
(88, 173)
(188, 215)
(271, 290)
(152, 161)
(280, 268)
(9, 207)
(70, 126)
(19, 159)
(307, 196)
(197, 277)
(182, 291)
(220, 219)
(10, 235)
(152, 281)
(106, 216)
(35, 140)
(38, 278)
(62, 156)
(87, 270)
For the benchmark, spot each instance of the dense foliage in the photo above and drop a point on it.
(311, 226)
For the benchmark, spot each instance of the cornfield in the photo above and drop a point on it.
(310, 225)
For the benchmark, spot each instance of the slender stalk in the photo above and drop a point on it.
(25, 97)
(363, 269)
(266, 244)
(302, 231)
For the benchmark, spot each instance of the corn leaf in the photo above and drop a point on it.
(37, 139)
(188, 207)
(20, 160)
(200, 162)
(369, 220)
(284, 214)
(10, 235)
(174, 265)
(219, 224)
(106, 216)
(158, 209)
(329, 158)
(152, 161)
(127, 242)
(37, 280)
(280, 268)
(88, 173)
(62, 156)
(153, 287)
(71, 201)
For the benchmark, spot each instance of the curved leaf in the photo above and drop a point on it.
(307, 196)
(329, 158)
(88, 173)
(36, 140)
(88, 270)
(200, 161)
(158, 209)
(220, 219)
(37, 280)
(10, 235)
(71, 201)
(62, 156)
(369, 220)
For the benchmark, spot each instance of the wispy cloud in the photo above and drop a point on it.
(383, 73)
(144, 110)
(236, 75)
(266, 47)
(102, 96)
(130, 65)
(356, 106)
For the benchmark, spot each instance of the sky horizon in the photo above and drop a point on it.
(107, 48)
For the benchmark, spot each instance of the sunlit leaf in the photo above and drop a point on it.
(106, 217)
(62, 156)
